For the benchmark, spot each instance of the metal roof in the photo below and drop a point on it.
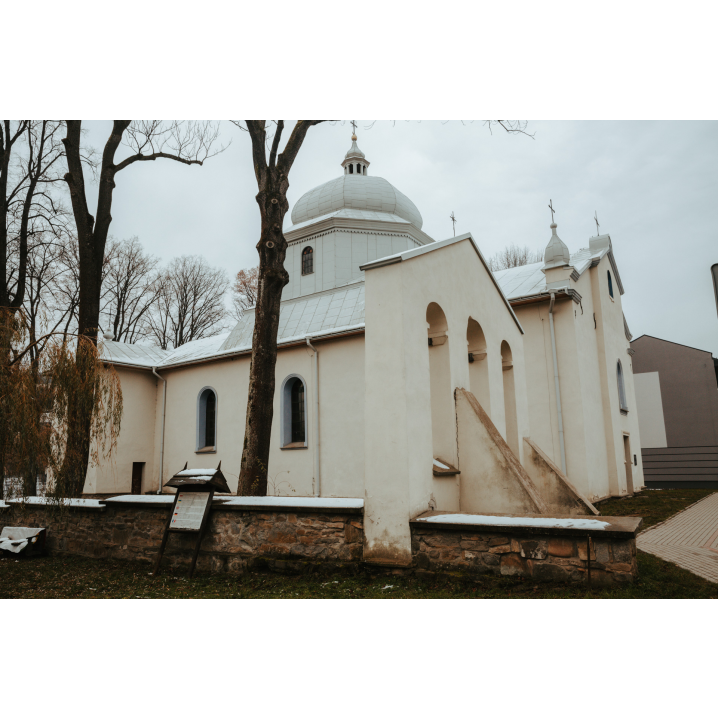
(335, 311)
(327, 312)
(530, 280)
(132, 354)
(347, 213)
(360, 192)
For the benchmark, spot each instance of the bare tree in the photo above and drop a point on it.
(513, 256)
(244, 291)
(30, 151)
(190, 302)
(130, 287)
(189, 143)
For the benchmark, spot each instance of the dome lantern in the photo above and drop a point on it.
(355, 161)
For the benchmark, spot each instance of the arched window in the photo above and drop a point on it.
(351, 169)
(207, 420)
(621, 388)
(308, 261)
(294, 413)
(363, 169)
(610, 283)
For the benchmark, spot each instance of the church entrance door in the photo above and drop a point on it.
(137, 468)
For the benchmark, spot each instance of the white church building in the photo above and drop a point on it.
(408, 375)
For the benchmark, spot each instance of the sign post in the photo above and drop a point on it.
(190, 510)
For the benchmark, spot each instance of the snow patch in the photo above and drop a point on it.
(162, 499)
(197, 472)
(528, 522)
(292, 501)
(47, 501)
(440, 465)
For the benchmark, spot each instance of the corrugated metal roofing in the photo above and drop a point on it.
(529, 280)
(333, 311)
(325, 312)
(133, 354)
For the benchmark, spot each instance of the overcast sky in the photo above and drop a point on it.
(653, 184)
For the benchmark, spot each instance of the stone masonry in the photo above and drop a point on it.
(236, 540)
(239, 539)
(538, 556)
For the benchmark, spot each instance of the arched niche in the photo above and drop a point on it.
(512, 425)
(443, 421)
(478, 365)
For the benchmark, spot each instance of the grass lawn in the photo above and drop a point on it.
(72, 577)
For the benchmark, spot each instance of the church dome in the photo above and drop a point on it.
(355, 192)
(355, 189)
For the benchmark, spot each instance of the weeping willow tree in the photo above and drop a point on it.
(38, 395)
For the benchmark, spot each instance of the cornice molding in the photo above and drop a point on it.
(363, 226)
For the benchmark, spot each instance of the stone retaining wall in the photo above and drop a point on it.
(536, 556)
(235, 541)
(301, 539)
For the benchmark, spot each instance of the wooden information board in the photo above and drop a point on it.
(190, 509)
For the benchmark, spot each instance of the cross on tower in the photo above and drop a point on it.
(453, 221)
(550, 206)
(353, 123)
(595, 219)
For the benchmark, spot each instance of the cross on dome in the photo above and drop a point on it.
(355, 161)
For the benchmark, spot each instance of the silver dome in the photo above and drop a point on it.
(355, 192)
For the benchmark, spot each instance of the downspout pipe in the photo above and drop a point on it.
(162, 439)
(317, 474)
(555, 382)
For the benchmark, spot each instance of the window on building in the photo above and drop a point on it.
(294, 413)
(298, 433)
(351, 169)
(308, 261)
(207, 420)
(610, 283)
(621, 388)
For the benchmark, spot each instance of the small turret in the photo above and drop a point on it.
(556, 254)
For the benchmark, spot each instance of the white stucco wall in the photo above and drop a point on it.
(291, 471)
(136, 439)
(399, 478)
(338, 254)
(587, 354)
(612, 347)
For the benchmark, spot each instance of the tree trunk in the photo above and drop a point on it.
(91, 237)
(272, 248)
(273, 183)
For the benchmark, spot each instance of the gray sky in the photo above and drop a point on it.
(653, 184)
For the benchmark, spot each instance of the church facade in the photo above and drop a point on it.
(408, 375)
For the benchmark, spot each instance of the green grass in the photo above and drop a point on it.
(653, 506)
(74, 577)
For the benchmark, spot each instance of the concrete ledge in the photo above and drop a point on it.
(39, 502)
(293, 504)
(152, 501)
(619, 527)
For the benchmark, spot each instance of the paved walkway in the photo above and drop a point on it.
(688, 539)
